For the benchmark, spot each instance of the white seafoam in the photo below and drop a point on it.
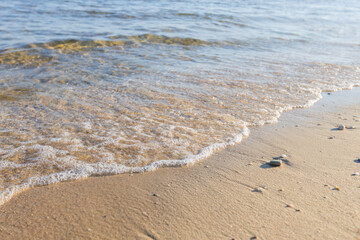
(76, 169)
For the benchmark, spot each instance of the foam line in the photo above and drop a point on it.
(83, 170)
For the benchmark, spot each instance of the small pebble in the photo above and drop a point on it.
(341, 127)
(289, 205)
(356, 174)
(206, 166)
(351, 127)
(154, 195)
(283, 156)
(328, 93)
(281, 190)
(258, 190)
(337, 188)
(144, 213)
(296, 125)
(332, 137)
(275, 163)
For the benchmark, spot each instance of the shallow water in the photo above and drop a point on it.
(106, 87)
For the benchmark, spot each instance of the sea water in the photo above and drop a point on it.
(100, 87)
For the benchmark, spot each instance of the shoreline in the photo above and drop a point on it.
(232, 194)
(90, 170)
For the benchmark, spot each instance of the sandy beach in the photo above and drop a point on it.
(179, 119)
(233, 194)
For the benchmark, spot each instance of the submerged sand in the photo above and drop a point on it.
(233, 194)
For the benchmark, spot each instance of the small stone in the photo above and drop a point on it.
(356, 174)
(351, 127)
(341, 127)
(154, 194)
(156, 203)
(281, 190)
(259, 190)
(289, 205)
(298, 210)
(296, 125)
(332, 137)
(328, 93)
(337, 188)
(283, 156)
(275, 163)
(144, 213)
(236, 171)
(206, 166)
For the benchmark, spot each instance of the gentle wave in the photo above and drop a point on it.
(77, 170)
(33, 56)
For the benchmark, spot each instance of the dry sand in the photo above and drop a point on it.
(233, 194)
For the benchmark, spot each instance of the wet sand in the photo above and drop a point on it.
(234, 194)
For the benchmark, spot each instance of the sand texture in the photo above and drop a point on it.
(234, 194)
